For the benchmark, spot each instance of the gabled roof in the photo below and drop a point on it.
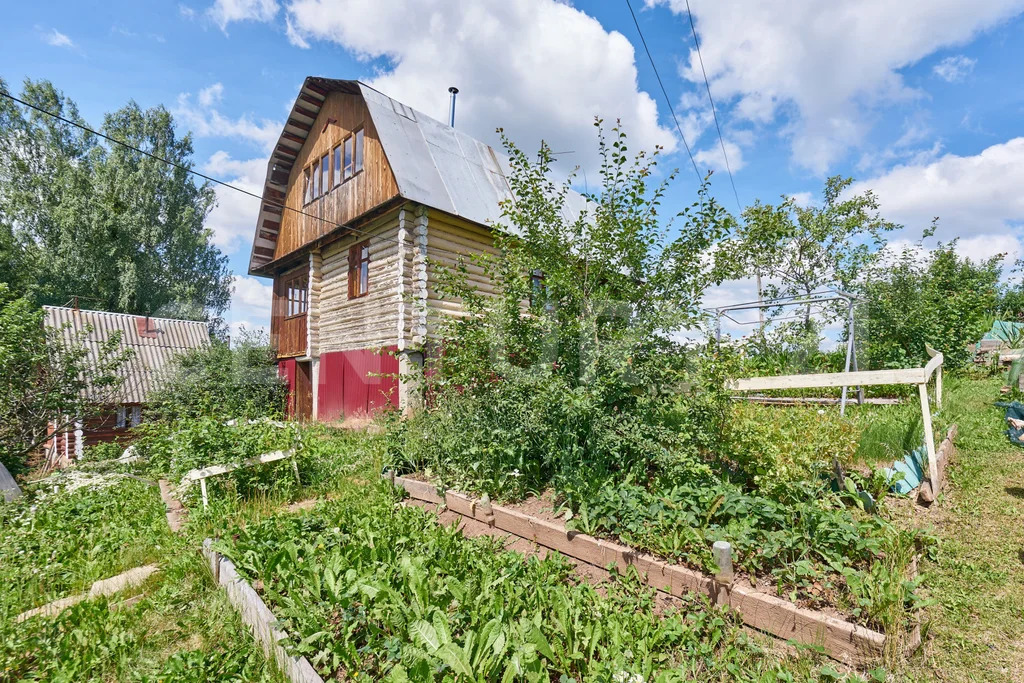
(433, 163)
(155, 342)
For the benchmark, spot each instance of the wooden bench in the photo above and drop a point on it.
(201, 475)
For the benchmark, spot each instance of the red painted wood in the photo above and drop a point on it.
(330, 387)
(350, 384)
(354, 393)
(383, 390)
(286, 369)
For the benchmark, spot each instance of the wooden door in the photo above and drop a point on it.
(303, 391)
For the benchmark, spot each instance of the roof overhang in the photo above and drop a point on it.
(308, 104)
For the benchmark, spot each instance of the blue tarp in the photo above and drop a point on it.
(1004, 330)
(912, 468)
(1016, 411)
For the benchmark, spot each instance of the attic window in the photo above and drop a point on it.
(353, 149)
(307, 188)
(336, 163)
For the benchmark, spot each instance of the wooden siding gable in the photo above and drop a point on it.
(301, 223)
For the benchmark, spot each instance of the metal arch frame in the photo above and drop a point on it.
(814, 298)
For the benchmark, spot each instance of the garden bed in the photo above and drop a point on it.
(846, 642)
(363, 587)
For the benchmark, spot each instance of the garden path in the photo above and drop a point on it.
(977, 576)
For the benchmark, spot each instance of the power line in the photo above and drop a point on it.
(713, 112)
(664, 92)
(185, 168)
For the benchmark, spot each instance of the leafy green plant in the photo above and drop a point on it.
(367, 588)
(231, 382)
(940, 299)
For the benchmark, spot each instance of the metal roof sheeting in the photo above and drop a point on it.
(152, 352)
(433, 163)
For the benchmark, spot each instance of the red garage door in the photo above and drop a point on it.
(356, 383)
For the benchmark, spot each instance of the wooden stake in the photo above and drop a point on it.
(202, 485)
(929, 438)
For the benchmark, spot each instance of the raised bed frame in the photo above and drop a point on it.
(258, 617)
(919, 376)
(845, 642)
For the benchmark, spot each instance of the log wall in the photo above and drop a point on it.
(448, 239)
(368, 321)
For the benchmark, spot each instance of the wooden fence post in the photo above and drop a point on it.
(929, 437)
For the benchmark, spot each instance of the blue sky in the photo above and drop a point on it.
(921, 101)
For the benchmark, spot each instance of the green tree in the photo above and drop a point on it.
(564, 365)
(936, 298)
(47, 376)
(804, 249)
(120, 229)
(230, 382)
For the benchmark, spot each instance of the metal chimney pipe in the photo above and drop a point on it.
(451, 107)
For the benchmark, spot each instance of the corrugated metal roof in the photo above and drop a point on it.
(433, 163)
(164, 339)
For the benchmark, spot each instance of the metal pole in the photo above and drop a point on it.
(853, 351)
(451, 107)
(760, 303)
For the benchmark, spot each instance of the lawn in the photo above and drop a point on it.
(975, 576)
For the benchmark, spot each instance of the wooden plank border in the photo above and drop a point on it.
(947, 449)
(177, 514)
(848, 643)
(258, 617)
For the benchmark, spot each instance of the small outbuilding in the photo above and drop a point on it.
(154, 343)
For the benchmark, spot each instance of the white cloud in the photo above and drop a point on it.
(953, 69)
(251, 293)
(58, 39)
(250, 305)
(712, 157)
(223, 12)
(204, 120)
(976, 198)
(537, 68)
(822, 67)
(802, 199)
(186, 12)
(211, 95)
(233, 220)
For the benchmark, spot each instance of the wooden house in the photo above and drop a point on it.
(154, 343)
(363, 195)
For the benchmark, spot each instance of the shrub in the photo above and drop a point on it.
(47, 375)
(940, 299)
(220, 380)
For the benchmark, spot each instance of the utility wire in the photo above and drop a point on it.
(700, 178)
(713, 112)
(186, 168)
